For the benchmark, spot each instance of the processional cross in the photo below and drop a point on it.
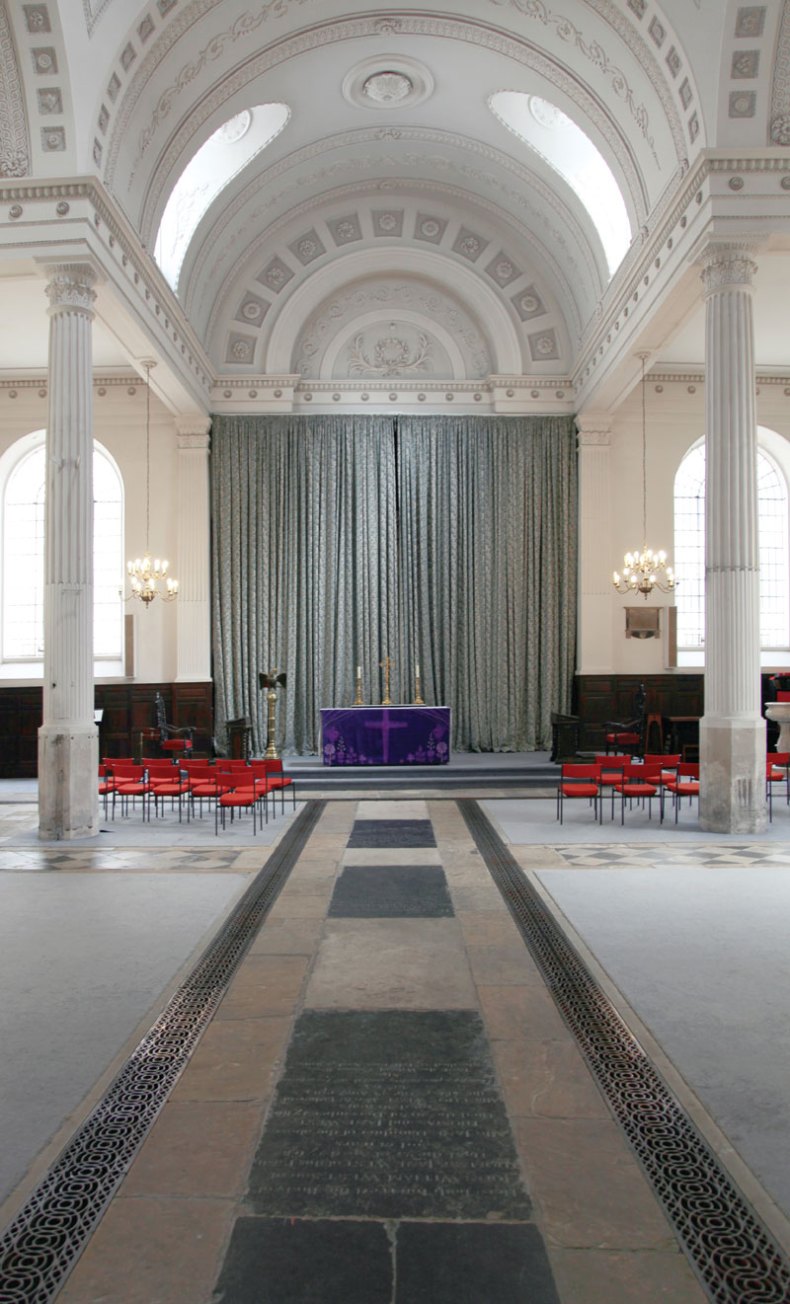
(386, 666)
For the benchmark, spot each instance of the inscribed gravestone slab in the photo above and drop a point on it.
(391, 892)
(388, 1114)
(392, 833)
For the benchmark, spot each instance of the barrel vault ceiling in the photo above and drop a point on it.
(394, 235)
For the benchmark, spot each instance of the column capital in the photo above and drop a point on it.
(727, 265)
(70, 288)
(194, 431)
(594, 429)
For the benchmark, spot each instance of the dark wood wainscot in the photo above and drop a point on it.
(128, 712)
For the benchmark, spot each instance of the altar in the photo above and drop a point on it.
(385, 735)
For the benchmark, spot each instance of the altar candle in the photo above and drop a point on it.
(417, 669)
(359, 672)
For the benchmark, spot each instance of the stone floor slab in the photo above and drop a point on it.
(612, 1277)
(447, 1263)
(291, 1261)
(130, 1259)
(387, 1115)
(391, 892)
(392, 833)
(564, 1160)
(234, 1060)
(391, 964)
(170, 1162)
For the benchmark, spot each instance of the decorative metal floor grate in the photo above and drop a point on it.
(41, 1245)
(735, 1257)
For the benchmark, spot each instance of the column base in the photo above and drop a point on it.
(732, 775)
(68, 785)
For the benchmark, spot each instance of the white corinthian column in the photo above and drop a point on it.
(732, 731)
(68, 743)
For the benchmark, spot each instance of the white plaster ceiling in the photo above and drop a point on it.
(137, 88)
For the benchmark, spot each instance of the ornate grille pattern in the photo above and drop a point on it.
(43, 1242)
(733, 1254)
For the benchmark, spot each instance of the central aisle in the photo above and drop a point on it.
(386, 1109)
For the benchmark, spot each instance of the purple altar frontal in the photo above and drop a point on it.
(385, 735)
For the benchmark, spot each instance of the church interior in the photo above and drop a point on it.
(442, 354)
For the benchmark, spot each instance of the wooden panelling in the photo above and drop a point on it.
(128, 710)
(599, 698)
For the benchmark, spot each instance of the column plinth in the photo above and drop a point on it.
(732, 731)
(68, 742)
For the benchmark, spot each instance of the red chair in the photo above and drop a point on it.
(166, 780)
(278, 780)
(578, 781)
(639, 783)
(685, 784)
(777, 770)
(206, 782)
(244, 797)
(128, 782)
(610, 775)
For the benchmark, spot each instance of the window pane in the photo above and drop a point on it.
(23, 559)
(690, 552)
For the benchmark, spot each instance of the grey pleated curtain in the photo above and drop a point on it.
(303, 564)
(487, 538)
(440, 541)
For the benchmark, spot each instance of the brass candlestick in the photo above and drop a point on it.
(270, 682)
(386, 665)
(418, 697)
(358, 695)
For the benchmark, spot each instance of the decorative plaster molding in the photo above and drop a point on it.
(568, 272)
(511, 46)
(727, 266)
(668, 243)
(594, 52)
(14, 134)
(337, 314)
(135, 272)
(780, 89)
(593, 438)
(70, 288)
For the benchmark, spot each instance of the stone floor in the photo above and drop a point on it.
(386, 1104)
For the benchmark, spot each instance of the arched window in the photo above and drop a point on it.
(23, 554)
(690, 552)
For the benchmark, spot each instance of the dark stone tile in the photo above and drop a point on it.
(391, 892)
(388, 1114)
(392, 833)
(472, 1263)
(285, 1261)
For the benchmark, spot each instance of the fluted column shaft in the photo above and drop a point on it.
(194, 534)
(68, 738)
(595, 644)
(732, 732)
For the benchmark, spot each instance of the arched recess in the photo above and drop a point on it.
(483, 306)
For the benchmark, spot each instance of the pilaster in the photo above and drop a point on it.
(595, 642)
(193, 606)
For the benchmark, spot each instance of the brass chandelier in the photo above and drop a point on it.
(646, 570)
(145, 573)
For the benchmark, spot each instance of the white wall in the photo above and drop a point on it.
(119, 424)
